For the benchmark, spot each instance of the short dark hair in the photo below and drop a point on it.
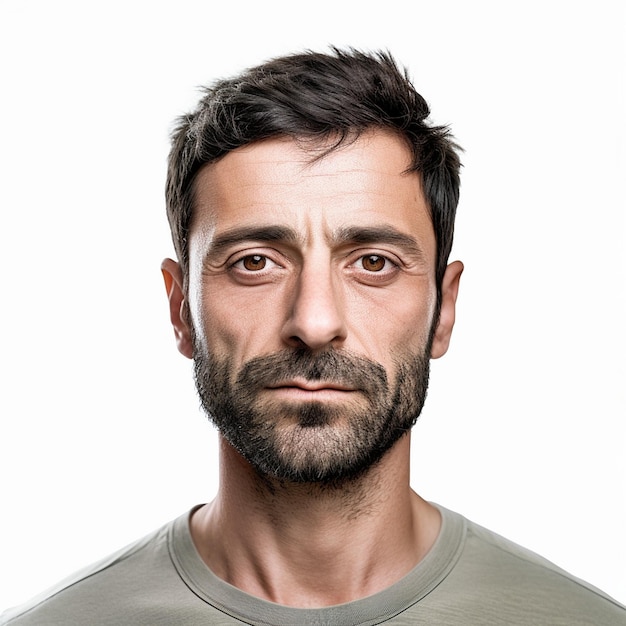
(321, 97)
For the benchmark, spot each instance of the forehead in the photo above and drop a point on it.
(279, 181)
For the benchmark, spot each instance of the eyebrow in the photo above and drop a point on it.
(253, 233)
(361, 235)
(378, 234)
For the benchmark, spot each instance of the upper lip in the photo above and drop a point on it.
(311, 385)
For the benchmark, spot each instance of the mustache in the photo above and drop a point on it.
(333, 366)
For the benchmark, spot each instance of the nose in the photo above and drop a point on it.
(316, 315)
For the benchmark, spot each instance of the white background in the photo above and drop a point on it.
(524, 429)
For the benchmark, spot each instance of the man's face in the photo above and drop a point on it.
(311, 301)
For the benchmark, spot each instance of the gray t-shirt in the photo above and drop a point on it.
(470, 576)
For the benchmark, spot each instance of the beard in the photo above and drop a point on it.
(326, 443)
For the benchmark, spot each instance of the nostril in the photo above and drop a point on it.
(297, 342)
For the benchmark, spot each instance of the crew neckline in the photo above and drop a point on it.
(373, 609)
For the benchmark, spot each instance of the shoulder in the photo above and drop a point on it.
(495, 576)
(98, 588)
(504, 554)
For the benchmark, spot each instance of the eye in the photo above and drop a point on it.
(253, 262)
(374, 262)
(254, 267)
(374, 268)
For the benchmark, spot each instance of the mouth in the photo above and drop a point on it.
(311, 386)
(300, 390)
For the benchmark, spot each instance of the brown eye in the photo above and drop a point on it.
(254, 262)
(373, 263)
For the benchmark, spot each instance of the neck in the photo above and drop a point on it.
(312, 545)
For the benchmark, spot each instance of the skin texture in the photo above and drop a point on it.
(294, 255)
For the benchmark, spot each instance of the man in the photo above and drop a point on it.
(312, 210)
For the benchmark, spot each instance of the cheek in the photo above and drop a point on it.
(395, 321)
(416, 313)
(237, 326)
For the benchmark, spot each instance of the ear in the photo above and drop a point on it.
(173, 277)
(449, 292)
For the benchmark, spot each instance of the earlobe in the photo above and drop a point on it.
(449, 293)
(173, 277)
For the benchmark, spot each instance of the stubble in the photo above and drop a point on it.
(326, 444)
